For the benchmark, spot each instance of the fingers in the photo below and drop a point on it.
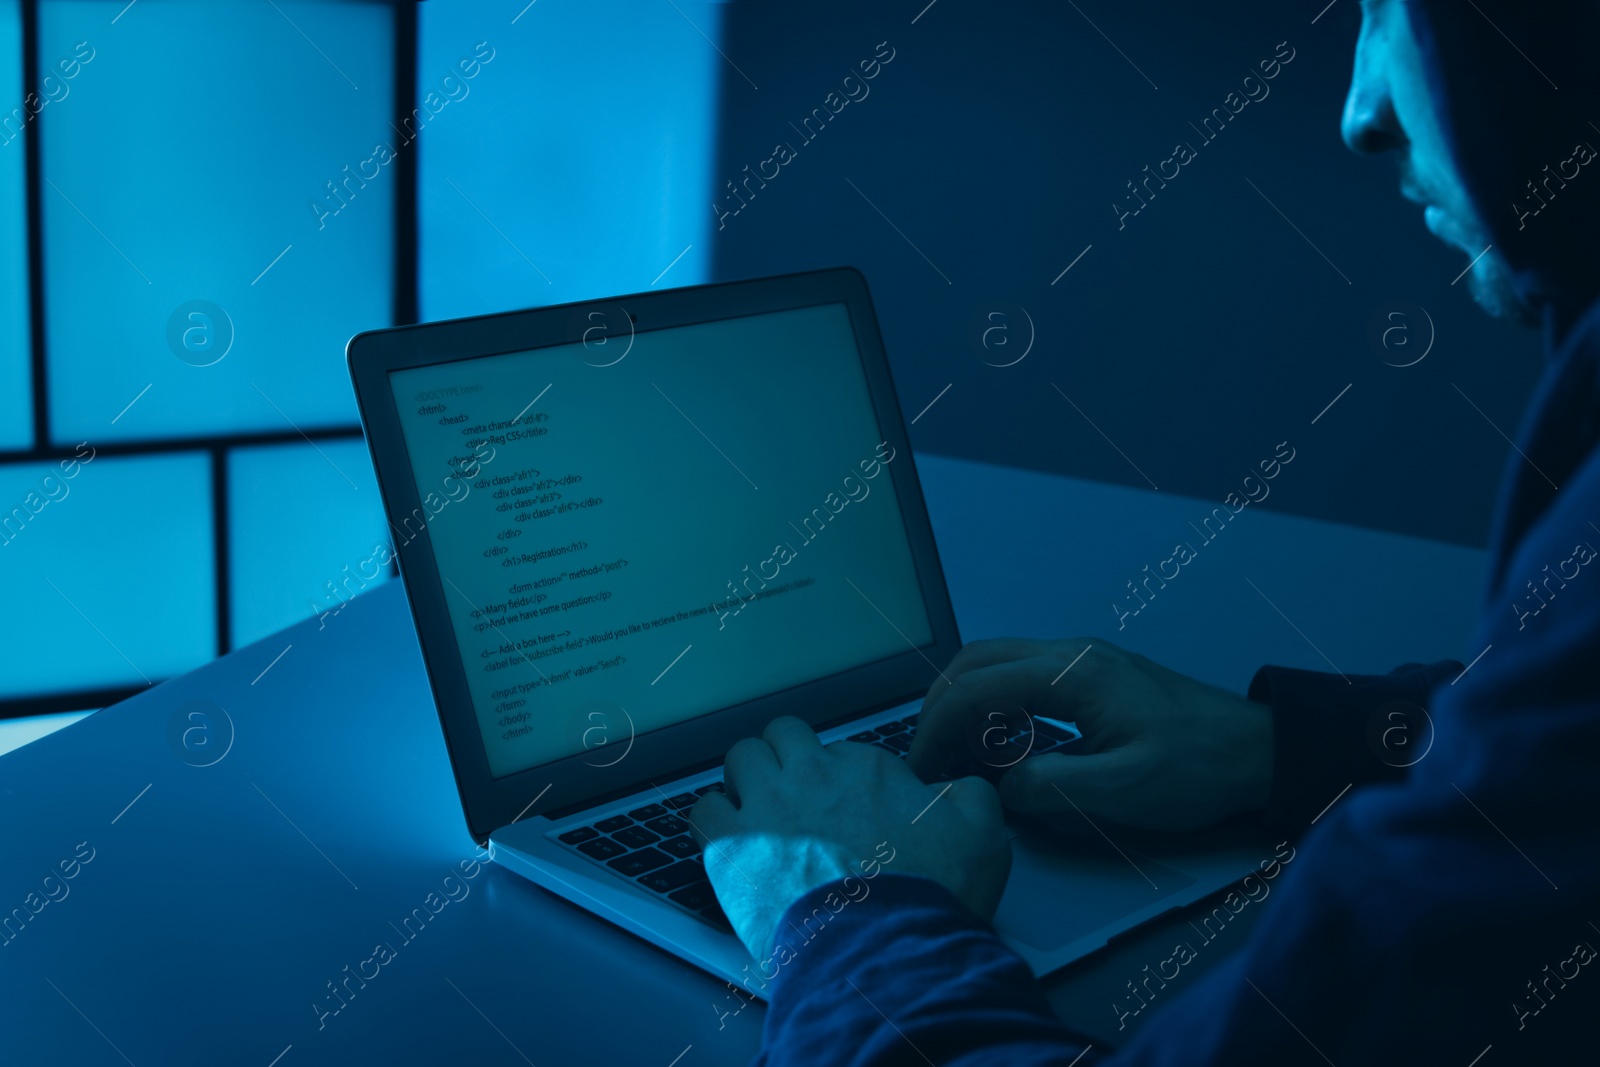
(712, 816)
(1101, 784)
(977, 801)
(979, 654)
(791, 740)
(856, 759)
(1009, 689)
(749, 765)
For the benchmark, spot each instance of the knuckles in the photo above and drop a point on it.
(744, 748)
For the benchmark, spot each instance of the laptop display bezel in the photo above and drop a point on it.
(670, 751)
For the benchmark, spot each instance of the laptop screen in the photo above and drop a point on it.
(651, 527)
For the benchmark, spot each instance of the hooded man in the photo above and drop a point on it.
(1442, 912)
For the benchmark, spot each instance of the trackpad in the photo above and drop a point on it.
(1064, 889)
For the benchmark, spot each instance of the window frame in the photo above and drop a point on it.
(403, 283)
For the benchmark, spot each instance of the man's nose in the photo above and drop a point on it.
(1369, 124)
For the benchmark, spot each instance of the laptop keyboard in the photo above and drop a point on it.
(653, 845)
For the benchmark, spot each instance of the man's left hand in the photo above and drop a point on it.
(797, 815)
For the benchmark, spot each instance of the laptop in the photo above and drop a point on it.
(633, 531)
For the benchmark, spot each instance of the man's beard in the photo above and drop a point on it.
(1494, 290)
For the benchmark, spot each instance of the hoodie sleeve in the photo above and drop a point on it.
(906, 975)
(1331, 732)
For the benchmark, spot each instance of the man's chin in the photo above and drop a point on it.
(1493, 291)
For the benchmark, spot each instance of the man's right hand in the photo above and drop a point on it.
(1160, 751)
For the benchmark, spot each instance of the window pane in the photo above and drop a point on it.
(196, 244)
(554, 174)
(108, 569)
(305, 523)
(16, 405)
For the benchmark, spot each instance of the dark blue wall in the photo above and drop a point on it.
(1196, 337)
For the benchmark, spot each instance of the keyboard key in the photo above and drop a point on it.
(601, 848)
(887, 728)
(714, 787)
(580, 835)
(635, 837)
(613, 824)
(677, 876)
(694, 897)
(681, 847)
(898, 743)
(863, 738)
(681, 802)
(668, 826)
(911, 720)
(636, 863)
(649, 811)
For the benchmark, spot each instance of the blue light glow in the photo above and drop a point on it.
(16, 413)
(561, 177)
(109, 571)
(179, 169)
(303, 519)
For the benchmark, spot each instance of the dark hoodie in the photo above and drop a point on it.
(1446, 913)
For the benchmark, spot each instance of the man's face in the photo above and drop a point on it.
(1389, 108)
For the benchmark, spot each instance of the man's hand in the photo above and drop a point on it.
(1160, 751)
(798, 815)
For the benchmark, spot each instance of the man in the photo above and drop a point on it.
(1442, 914)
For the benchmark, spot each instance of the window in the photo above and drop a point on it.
(110, 580)
(327, 495)
(187, 218)
(16, 409)
(577, 163)
(207, 231)
(201, 202)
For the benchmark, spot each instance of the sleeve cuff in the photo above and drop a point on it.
(1331, 732)
(841, 927)
(855, 953)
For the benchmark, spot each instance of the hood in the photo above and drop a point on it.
(1517, 86)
